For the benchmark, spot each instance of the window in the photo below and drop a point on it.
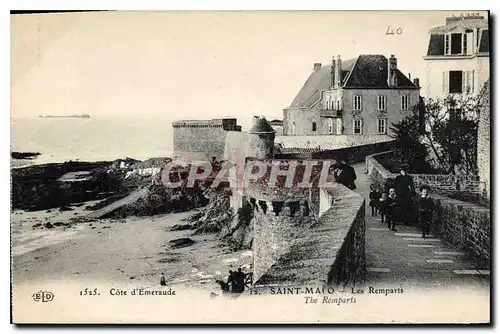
(337, 104)
(358, 126)
(293, 128)
(468, 82)
(314, 126)
(458, 82)
(455, 82)
(456, 43)
(330, 125)
(357, 102)
(404, 102)
(339, 126)
(381, 102)
(332, 105)
(468, 42)
(382, 125)
(447, 44)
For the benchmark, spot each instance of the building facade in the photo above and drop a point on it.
(360, 96)
(458, 57)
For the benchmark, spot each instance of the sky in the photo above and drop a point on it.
(194, 65)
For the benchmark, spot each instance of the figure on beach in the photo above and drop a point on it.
(163, 281)
(235, 282)
(231, 281)
(240, 280)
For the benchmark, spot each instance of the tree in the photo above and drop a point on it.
(450, 132)
(410, 149)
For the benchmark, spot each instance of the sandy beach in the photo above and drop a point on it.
(109, 251)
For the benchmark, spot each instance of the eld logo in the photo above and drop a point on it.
(43, 296)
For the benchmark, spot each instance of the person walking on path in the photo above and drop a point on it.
(425, 210)
(393, 208)
(383, 207)
(405, 190)
(345, 174)
(374, 199)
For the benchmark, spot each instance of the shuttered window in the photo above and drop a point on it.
(446, 82)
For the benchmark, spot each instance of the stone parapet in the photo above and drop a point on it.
(331, 251)
(443, 184)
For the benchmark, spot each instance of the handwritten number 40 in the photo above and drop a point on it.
(390, 31)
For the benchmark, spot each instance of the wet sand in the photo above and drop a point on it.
(129, 251)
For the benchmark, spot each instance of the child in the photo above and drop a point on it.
(425, 209)
(392, 205)
(383, 207)
(374, 199)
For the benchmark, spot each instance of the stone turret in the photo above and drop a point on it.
(261, 139)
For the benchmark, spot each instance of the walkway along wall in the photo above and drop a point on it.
(329, 251)
(462, 224)
(443, 184)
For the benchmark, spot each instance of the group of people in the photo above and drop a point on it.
(235, 282)
(397, 203)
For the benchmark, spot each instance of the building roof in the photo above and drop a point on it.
(484, 45)
(461, 23)
(436, 44)
(364, 71)
(261, 126)
(319, 80)
(370, 72)
(458, 24)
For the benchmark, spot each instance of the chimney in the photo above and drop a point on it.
(416, 82)
(316, 66)
(332, 73)
(392, 66)
(338, 72)
(409, 76)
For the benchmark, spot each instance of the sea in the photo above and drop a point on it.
(90, 139)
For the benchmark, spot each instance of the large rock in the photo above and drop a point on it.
(181, 242)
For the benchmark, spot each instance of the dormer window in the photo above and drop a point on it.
(458, 43)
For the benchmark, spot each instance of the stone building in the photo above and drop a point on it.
(458, 57)
(360, 96)
(202, 139)
(483, 142)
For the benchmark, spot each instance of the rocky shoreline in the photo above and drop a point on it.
(60, 187)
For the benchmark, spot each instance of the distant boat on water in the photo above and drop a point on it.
(65, 116)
